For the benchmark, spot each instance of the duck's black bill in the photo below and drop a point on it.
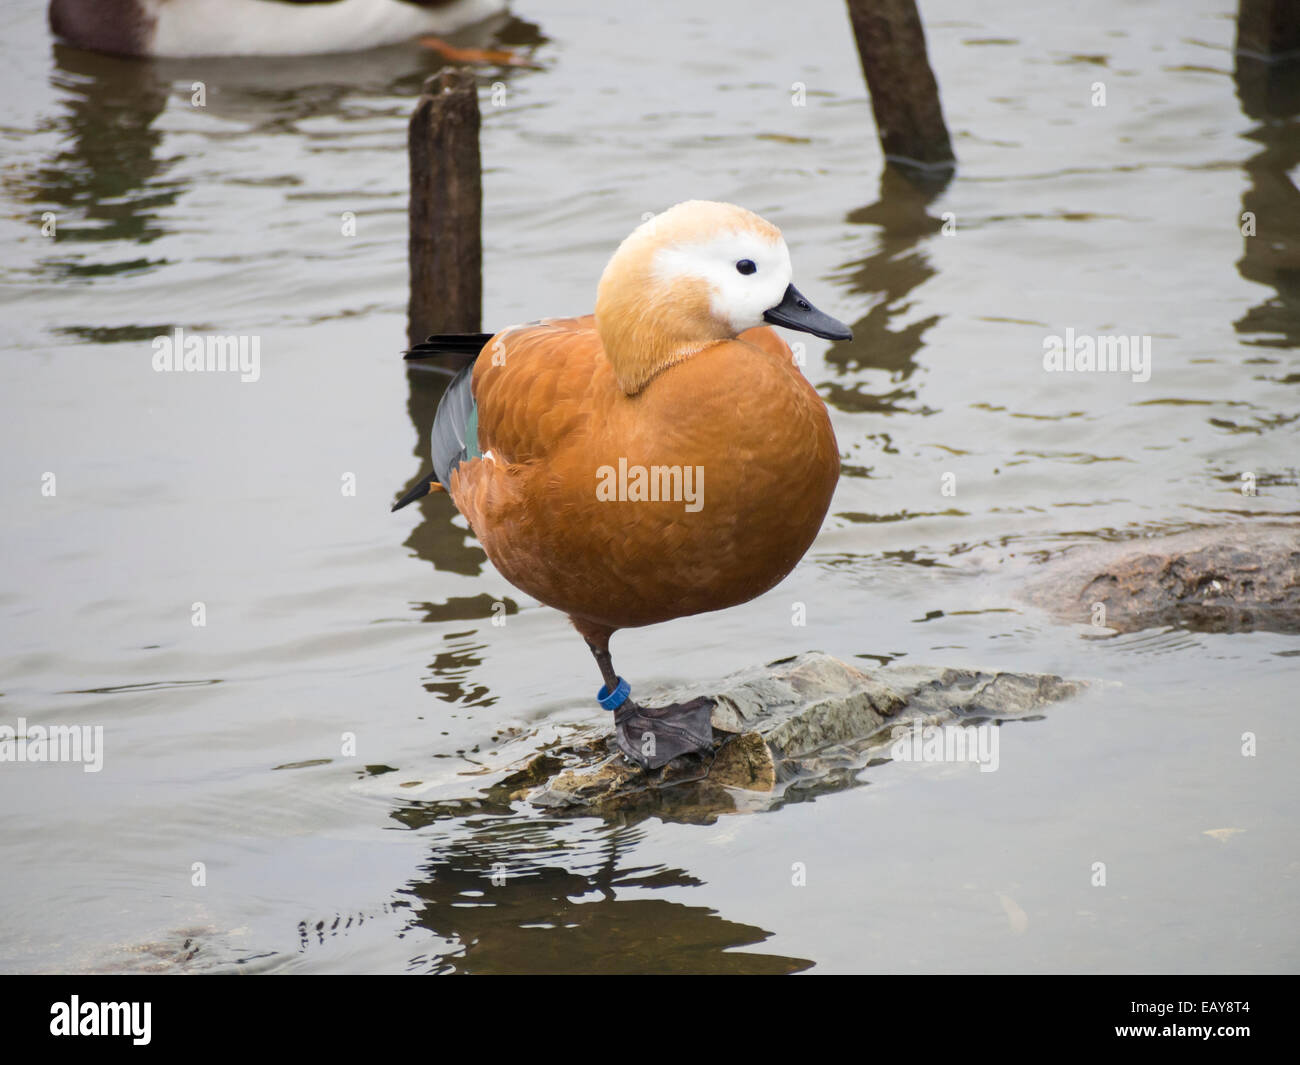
(795, 312)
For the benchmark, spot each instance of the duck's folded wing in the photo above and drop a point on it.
(449, 344)
(529, 393)
(538, 386)
(455, 409)
(455, 426)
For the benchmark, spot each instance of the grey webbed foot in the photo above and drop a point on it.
(652, 736)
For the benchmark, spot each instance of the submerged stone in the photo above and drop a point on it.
(811, 721)
(1235, 578)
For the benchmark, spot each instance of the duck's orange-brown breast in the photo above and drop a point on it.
(734, 442)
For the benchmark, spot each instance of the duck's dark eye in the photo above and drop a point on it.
(746, 266)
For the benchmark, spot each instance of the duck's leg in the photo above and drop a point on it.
(649, 736)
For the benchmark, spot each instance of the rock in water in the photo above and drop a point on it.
(811, 721)
(1235, 578)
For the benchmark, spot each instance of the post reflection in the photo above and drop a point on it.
(544, 897)
(1269, 92)
(894, 270)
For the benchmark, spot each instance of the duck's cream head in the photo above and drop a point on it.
(697, 274)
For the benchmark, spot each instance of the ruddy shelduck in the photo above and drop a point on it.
(660, 458)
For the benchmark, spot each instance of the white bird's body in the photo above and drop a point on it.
(191, 28)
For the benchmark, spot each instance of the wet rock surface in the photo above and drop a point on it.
(811, 722)
(1236, 578)
(807, 725)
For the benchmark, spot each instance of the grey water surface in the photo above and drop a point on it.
(265, 797)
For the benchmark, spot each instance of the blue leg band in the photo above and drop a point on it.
(613, 700)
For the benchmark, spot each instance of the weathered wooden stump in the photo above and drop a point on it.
(446, 208)
(904, 93)
(1269, 29)
(1268, 57)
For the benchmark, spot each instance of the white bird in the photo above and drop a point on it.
(188, 28)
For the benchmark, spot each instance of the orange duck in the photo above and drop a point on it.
(660, 458)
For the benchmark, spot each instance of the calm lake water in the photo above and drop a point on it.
(326, 615)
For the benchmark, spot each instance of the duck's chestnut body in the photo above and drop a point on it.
(737, 425)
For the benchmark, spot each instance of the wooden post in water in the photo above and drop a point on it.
(1267, 68)
(446, 208)
(1269, 29)
(904, 94)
